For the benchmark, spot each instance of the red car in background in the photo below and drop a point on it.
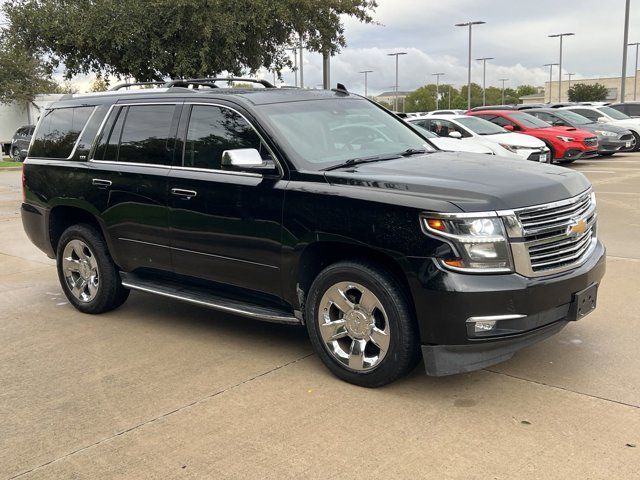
(567, 144)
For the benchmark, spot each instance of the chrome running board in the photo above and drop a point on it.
(206, 298)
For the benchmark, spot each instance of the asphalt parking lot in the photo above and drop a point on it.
(160, 389)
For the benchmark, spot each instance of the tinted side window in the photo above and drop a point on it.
(544, 116)
(110, 139)
(58, 132)
(147, 135)
(585, 112)
(633, 109)
(212, 130)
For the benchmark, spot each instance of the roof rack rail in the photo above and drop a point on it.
(210, 81)
(133, 84)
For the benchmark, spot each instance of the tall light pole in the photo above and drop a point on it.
(503, 80)
(366, 73)
(624, 50)
(470, 25)
(561, 35)
(569, 87)
(550, 65)
(449, 97)
(484, 78)
(395, 100)
(437, 75)
(301, 66)
(295, 63)
(635, 81)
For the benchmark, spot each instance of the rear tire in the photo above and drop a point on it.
(637, 137)
(15, 154)
(370, 339)
(87, 274)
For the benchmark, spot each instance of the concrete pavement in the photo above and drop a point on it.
(160, 389)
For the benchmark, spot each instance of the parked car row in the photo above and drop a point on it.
(564, 132)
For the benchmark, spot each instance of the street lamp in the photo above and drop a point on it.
(301, 66)
(484, 78)
(624, 51)
(503, 80)
(550, 65)
(561, 35)
(635, 81)
(366, 73)
(470, 25)
(569, 87)
(395, 100)
(437, 75)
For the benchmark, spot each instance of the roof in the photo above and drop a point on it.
(257, 96)
(393, 93)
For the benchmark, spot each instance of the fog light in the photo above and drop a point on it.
(485, 326)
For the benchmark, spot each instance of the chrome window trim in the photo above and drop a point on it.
(75, 145)
(276, 160)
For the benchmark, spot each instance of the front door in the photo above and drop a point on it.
(226, 226)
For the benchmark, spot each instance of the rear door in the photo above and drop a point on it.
(226, 226)
(128, 177)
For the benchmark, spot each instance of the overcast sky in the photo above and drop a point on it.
(515, 34)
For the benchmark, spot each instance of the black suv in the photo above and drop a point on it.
(20, 142)
(311, 207)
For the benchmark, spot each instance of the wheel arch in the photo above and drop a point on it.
(62, 217)
(318, 255)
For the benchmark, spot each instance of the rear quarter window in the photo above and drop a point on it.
(58, 132)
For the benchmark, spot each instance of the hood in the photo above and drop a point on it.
(473, 182)
(604, 127)
(514, 139)
(455, 145)
(635, 122)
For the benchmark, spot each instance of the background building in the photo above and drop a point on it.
(612, 84)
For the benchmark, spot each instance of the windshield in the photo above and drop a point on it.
(480, 125)
(528, 120)
(613, 113)
(320, 133)
(572, 117)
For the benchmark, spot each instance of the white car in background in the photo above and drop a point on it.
(610, 116)
(465, 129)
(447, 112)
(451, 144)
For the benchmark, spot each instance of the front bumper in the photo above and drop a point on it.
(445, 300)
(608, 145)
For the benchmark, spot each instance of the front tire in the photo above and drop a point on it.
(87, 274)
(637, 137)
(361, 324)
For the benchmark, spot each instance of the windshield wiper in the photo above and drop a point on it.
(412, 151)
(357, 161)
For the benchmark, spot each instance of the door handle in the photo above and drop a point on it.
(186, 194)
(100, 183)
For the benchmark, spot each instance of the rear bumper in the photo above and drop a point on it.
(444, 301)
(35, 224)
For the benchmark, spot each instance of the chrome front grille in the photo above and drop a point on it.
(553, 237)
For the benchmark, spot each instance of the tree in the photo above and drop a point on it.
(581, 92)
(22, 74)
(187, 38)
(100, 84)
(523, 90)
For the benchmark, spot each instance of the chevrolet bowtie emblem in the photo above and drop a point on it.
(577, 227)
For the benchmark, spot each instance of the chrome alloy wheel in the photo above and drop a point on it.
(80, 270)
(354, 326)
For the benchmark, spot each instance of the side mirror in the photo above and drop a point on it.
(246, 159)
(603, 120)
(455, 134)
(508, 128)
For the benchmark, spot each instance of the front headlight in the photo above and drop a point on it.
(480, 244)
(604, 133)
(513, 148)
(565, 139)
